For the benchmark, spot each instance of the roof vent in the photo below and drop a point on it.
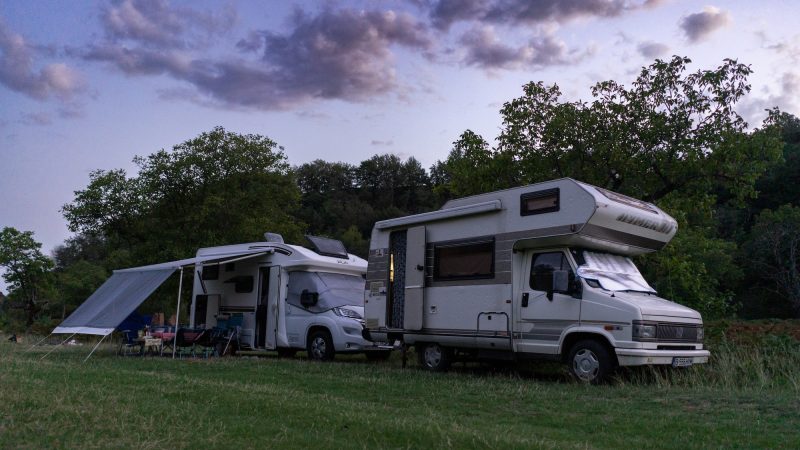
(327, 246)
(273, 237)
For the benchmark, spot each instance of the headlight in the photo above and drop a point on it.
(643, 331)
(700, 334)
(344, 312)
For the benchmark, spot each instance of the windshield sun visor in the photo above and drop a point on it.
(334, 289)
(613, 272)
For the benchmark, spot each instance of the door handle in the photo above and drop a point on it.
(420, 267)
(525, 298)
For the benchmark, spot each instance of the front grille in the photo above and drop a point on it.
(677, 332)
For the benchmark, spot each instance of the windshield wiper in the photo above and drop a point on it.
(636, 290)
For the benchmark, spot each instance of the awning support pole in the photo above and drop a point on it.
(95, 347)
(34, 345)
(59, 345)
(177, 315)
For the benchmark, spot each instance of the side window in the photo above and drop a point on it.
(539, 202)
(463, 260)
(543, 265)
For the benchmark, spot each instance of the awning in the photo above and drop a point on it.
(121, 294)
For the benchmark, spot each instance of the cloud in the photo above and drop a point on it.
(652, 49)
(785, 97)
(484, 49)
(157, 24)
(40, 119)
(253, 42)
(378, 143)
(787, 48)
(19, 73)
(343, 54)
(444, 13)
(699, 26)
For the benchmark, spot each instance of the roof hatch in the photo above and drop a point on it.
(327, 246)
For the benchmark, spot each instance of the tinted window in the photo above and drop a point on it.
(465, 260)
(539, 202)
(544, 264)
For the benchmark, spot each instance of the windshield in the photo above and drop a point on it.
(335, 289)
(613, 272)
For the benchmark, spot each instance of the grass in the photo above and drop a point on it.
(115, 402)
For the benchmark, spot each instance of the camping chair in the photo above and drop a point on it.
(130, 342)
(208, 342)
(186, 338)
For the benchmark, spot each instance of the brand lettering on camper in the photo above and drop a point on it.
(661, 227)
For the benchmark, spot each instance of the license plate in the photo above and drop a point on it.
(682, 361)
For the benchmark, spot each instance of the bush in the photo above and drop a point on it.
(757, 355)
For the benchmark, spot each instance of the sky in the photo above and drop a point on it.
(87, 85)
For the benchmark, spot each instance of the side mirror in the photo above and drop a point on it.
(558, 281)
(308, 298)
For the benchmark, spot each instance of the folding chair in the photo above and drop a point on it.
(129, 342)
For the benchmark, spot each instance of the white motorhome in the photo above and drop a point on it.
(540, 271)
(286, 297)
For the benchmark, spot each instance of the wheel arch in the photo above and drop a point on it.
(576, 336)
(317, 327)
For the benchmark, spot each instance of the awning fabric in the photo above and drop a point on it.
(115, 300)
(121, 294)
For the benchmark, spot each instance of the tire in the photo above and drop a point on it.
(378, 355)
(590, 362)
(434, 357)
(320, 346)
(284, 352)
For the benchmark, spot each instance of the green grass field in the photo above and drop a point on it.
(159, 403)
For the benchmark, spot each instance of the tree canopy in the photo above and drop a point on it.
(218, 188)
(26, 270)
(671, 131)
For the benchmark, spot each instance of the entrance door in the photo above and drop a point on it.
(267, 309)
(415, 278)
(396, 294)
(541, 321)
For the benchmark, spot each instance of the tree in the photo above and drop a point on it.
(673, 138)
(27, 271)
(781, 182)
(775, 249)
(472, 168)
(671, 131)
(218, 188)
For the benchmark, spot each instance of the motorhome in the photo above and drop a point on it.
(285, 297)
(539, 271)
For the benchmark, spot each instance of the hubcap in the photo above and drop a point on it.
(586, 365)
(433, 356)
(318, 347)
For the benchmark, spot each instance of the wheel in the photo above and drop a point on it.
(320, 346)
(590, 362)
(378, 355)
(285, 352)
(434, 357)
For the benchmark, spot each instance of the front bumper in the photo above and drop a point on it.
(643, 357)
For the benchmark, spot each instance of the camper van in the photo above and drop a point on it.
(285, 297)
(540, 271)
